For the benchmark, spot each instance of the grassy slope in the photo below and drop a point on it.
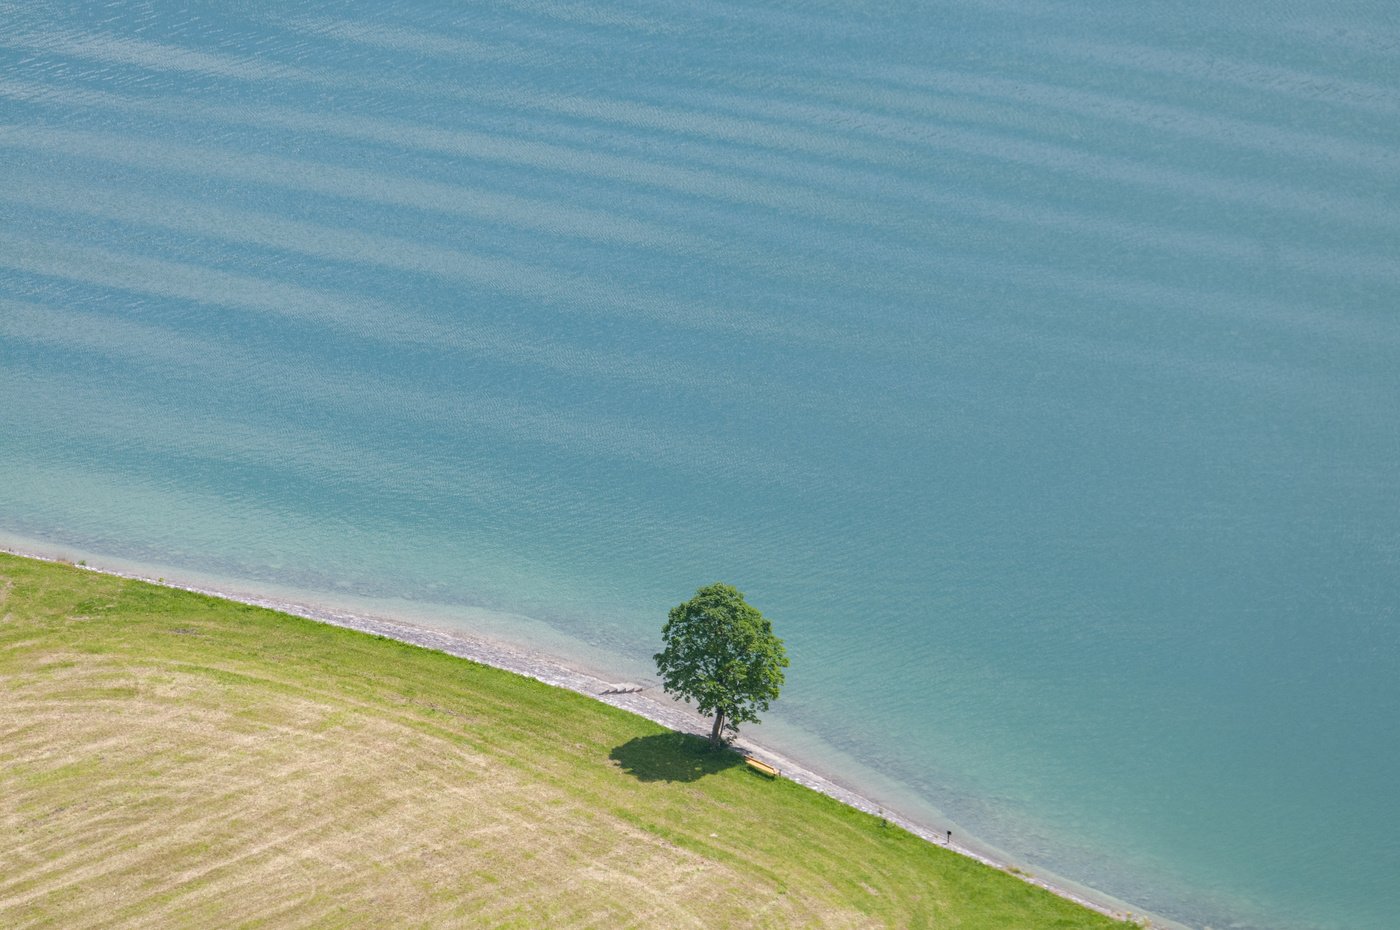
(173, 759)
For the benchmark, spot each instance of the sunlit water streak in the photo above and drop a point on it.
(1036, 369)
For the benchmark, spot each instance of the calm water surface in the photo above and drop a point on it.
(1035, 367)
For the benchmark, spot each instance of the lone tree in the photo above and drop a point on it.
(722, 654)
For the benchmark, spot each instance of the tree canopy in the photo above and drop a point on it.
(720, 652)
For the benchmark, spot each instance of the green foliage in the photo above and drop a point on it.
(720, 652)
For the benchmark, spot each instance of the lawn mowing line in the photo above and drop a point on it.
(415, 719)
(709, 851)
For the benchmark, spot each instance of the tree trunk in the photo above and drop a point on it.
(719, 728)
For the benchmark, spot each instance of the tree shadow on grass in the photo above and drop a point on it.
(673, 757)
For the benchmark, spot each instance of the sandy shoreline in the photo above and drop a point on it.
(649, 702)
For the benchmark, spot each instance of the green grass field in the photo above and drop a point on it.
(172, 759)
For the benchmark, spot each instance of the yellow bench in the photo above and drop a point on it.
(763, 767)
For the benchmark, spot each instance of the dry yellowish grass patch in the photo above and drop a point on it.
(147, 796)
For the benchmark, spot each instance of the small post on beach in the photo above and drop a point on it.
(949, 841)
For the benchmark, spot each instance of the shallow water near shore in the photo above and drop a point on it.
(1036, 371)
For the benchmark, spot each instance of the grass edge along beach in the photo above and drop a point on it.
(174, 758)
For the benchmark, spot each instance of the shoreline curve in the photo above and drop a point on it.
(641, 700)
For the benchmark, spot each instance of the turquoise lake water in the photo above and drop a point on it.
(1035, 368)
